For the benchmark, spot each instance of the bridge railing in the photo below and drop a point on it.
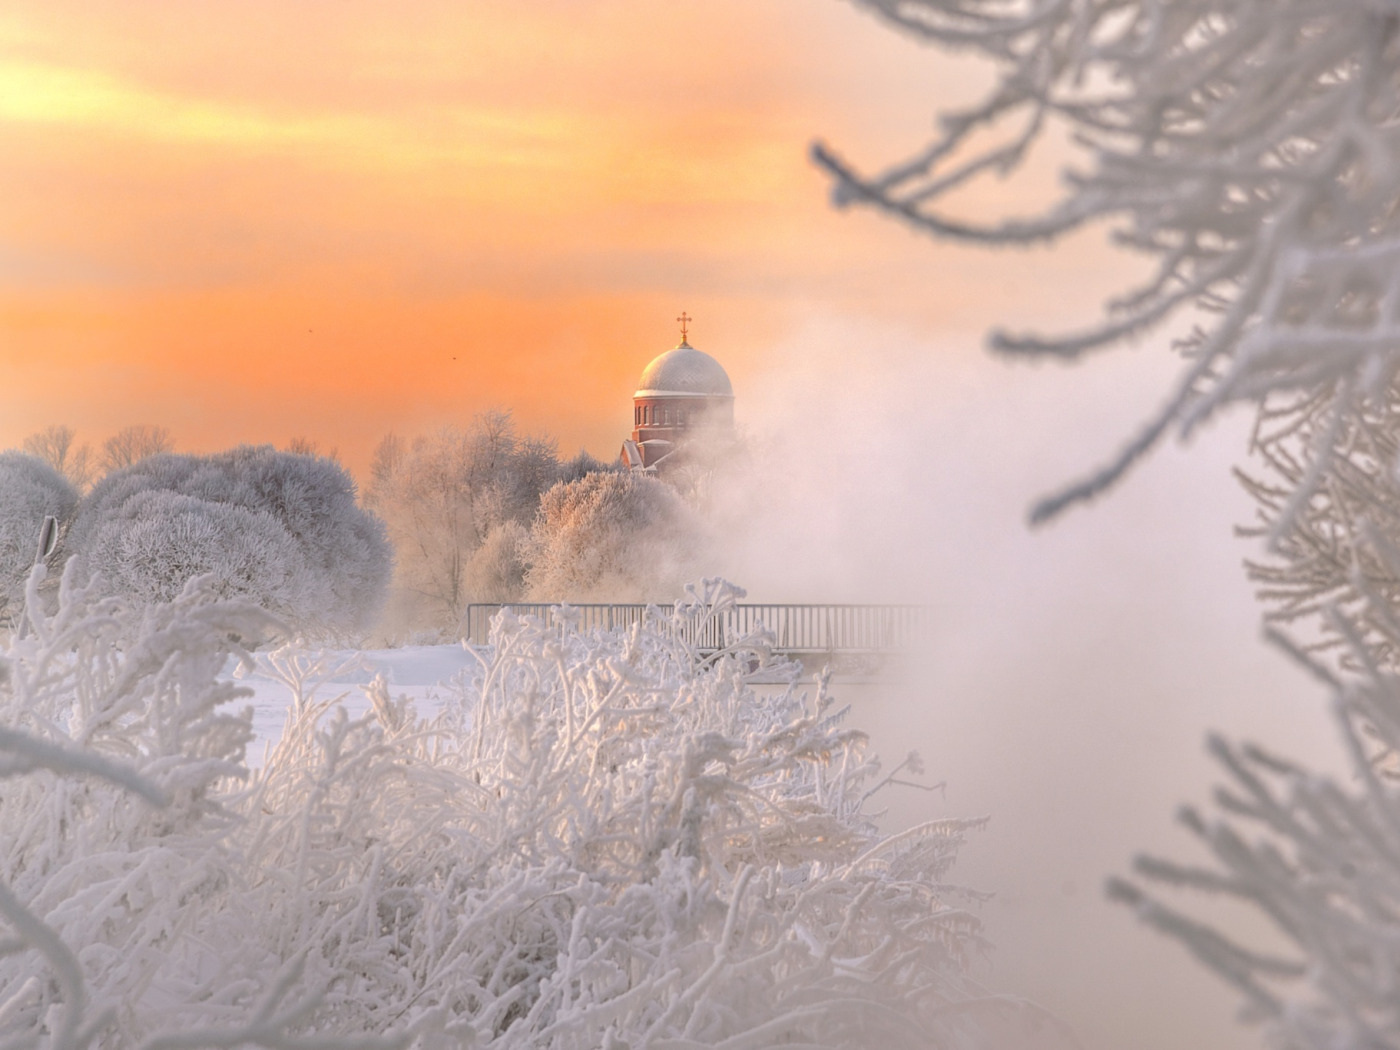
(808, 628)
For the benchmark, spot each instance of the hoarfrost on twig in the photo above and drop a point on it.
(603, 842)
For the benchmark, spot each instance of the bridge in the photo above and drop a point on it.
(850, 635)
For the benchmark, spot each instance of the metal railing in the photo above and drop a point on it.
(795, 628)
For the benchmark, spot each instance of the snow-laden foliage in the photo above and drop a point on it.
(30, 490)
(603, 841)
(612, 537)
(1249, 147)
(280, 529)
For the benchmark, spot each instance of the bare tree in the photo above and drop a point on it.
(302, 446)
(305, 446)
(133, 444)
(388, 457)
(55, 446)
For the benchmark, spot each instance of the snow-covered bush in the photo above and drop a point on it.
(602, 842)
(280, 529)
(158, 540)
(30, 490)
(612, 537)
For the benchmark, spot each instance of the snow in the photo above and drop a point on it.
(598, 840)
(421, 673)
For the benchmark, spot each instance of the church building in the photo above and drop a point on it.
(683, 409)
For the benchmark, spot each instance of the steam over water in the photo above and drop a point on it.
(1074, 670)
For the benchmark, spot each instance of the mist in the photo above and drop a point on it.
(1073, 670)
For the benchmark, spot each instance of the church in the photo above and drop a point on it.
(682, 411)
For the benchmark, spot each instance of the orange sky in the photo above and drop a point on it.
(255, 221)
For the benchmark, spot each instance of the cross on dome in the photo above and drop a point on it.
(682, 411)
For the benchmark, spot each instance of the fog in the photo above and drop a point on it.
(1073, 670)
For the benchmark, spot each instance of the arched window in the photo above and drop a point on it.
(665, 416)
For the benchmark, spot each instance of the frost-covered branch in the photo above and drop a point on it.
(1320, 860)
(601, 841)
(1250, 146)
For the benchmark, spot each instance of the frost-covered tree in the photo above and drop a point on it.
(305, 446)
(445, 498)
(1251, 149)
(602, 842)
(55, 446)
(281, 529)
(613, 537)
(496, 570)
(584, 464)
(30, 491)
(132, 444)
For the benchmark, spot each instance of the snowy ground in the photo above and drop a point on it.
(422, 672)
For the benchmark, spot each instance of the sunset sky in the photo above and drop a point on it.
(257, 221)
(261, 220)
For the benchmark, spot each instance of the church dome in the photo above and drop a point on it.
(684, 371)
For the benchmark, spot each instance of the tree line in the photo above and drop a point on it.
(471, 513)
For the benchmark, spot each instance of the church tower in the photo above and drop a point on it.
(683, 400)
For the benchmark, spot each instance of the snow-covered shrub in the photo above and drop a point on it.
(603, 842)
(158, 540)
(281, 529)
(118, 770)
(612, 537)
(30, 490)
